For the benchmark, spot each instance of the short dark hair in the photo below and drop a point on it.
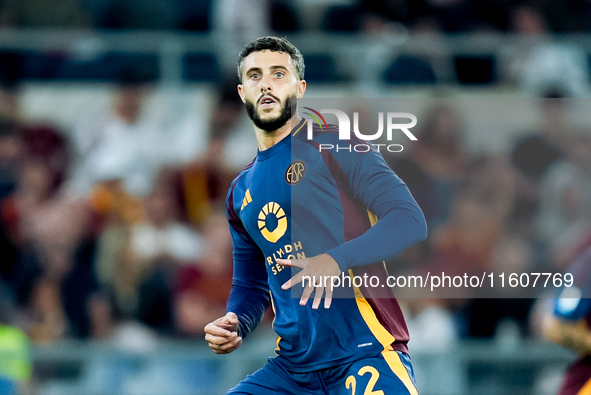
(275, 44)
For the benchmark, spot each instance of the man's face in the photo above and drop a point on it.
(269, 88)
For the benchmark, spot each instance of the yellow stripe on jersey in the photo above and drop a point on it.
(373, 219)
(369, 316)
(300, 128)
(391, 356)
(273, 323)
(247, 199)
(395, 363)
(586, 390)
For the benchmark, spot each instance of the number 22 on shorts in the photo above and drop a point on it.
(351, 382)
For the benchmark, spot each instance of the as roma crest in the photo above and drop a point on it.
(295, 172)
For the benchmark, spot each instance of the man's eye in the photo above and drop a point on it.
(279, 74)
(254, 75)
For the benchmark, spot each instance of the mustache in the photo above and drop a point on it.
(270, 95)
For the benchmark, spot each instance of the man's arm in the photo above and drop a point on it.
(249, 297)
(568, 325)
(401, 222)
(574, 335)
(248, 300)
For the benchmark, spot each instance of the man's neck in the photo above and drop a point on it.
(268, 139)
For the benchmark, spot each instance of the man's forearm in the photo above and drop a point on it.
(575, 336)
(397, 231)
(249, 305)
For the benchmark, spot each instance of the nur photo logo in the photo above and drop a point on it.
(393, 124)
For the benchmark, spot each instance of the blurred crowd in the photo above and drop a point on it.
(525, 210)
(115, 223)
(518, 43)
(449, 16)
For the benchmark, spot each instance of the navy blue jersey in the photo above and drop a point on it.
(294, 201)
(575, 306)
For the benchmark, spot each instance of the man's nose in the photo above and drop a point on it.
(266, 85)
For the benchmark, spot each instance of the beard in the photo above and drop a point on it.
(270, 125)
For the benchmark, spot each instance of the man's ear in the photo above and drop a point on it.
(241, 93)
(301, 88)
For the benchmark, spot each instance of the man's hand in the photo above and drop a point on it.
(320, 270)
(222, 334)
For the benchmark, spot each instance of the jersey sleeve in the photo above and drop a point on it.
(249, 296)
(401, 222)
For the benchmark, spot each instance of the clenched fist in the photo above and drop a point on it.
(222, 334)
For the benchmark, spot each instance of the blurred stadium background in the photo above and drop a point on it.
(120, 131)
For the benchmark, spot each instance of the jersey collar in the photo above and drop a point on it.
(269, 152)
